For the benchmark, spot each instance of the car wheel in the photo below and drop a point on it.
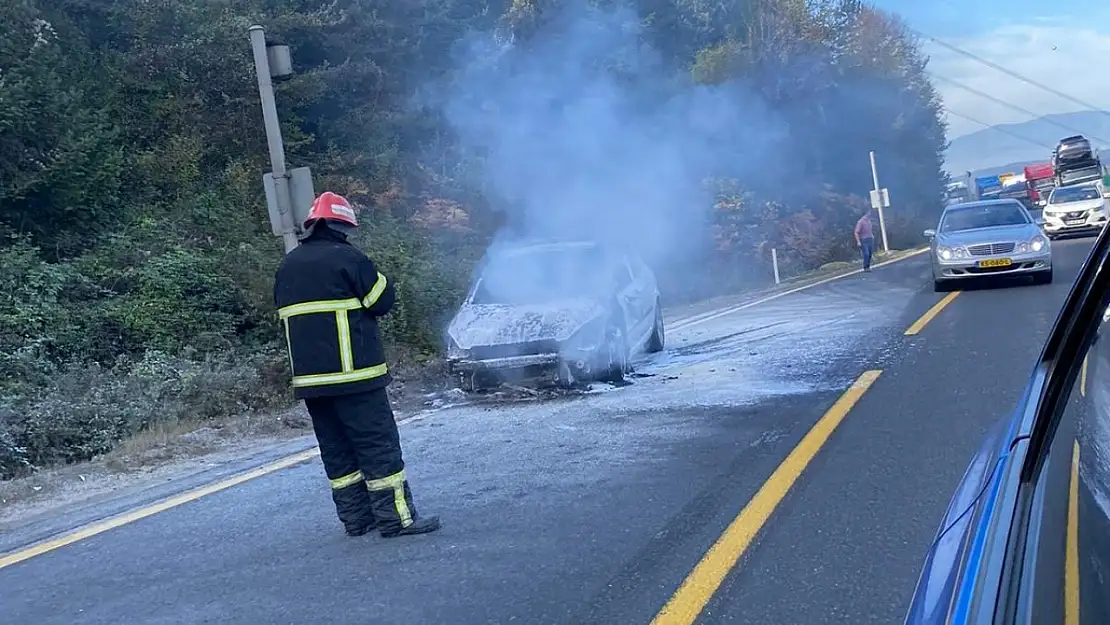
(565, 377)
(940, 286)
(1045, 277)
(658, 334)
(475, 382)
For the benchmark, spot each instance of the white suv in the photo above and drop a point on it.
(1078, 209)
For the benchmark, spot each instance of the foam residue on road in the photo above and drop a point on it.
(785, 347)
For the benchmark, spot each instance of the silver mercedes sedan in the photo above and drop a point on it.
(988, 238)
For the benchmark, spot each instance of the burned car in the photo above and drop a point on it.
(562, 312)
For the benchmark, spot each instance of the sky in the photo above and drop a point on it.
(1065, 45)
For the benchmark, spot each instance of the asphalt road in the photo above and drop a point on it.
(595, 509)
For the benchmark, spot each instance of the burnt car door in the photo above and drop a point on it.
(647, 298)
(628, 298)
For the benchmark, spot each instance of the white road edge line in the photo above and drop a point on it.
(688, 323)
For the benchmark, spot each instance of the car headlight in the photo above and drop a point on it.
(1022, 248)
(455, 352)
(1038, 243)
(954, 252)
(587, 338)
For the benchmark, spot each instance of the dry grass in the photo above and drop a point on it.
(150, 454)
(166, 442)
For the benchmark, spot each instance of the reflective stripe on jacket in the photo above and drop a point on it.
(329, 297)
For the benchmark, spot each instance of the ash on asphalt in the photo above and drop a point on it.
(785, 347)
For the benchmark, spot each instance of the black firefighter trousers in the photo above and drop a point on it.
(361, 450)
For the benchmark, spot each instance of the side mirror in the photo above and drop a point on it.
(930, 233)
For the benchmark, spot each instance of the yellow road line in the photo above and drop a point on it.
(690, 322)
(1083, 378)
(700, 585)
(141, 513)
(920, 324)
(1071, 558)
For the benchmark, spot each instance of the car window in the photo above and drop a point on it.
(957, 219)
(1074, 194)
(1072, 561)
(542, 275)
(640, 270)
(623, 273)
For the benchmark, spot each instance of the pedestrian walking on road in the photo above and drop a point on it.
(865, 239)
(330, 297)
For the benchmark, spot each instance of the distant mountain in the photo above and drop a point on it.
(987, 149)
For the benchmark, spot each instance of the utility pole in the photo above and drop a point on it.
(279, 197)
(879, 199)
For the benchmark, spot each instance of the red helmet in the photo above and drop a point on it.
(331, 207)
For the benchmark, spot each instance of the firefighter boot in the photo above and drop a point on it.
(352, 504)
(394, 509)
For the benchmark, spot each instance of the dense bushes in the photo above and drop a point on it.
(135, 253)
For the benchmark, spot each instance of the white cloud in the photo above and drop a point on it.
(1066, 55)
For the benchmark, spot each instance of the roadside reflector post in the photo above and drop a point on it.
(775, 263)
(880, 199)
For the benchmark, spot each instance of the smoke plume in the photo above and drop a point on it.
(586, 133)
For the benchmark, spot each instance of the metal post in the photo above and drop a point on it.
(273, 136)
(775, 263)
(882, 222)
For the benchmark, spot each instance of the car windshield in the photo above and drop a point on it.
(983, 216)
(542, 275)
(1074, 194)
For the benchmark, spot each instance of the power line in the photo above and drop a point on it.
(1008, 72)
(998, 129)
(1015, 107)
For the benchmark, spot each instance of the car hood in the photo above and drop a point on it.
(1068, 207)
(481, 325)
(989, 235)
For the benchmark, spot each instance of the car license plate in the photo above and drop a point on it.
(995, 262)
(1076, 222)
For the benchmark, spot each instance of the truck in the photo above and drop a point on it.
(1014, 188)
(1040, 179)
(956, 192)
(1074, 161)
(987, 187)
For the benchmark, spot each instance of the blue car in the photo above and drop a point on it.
(1026, 538)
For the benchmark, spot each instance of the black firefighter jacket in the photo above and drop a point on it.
(329, 297)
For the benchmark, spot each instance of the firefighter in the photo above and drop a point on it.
(330, 297)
